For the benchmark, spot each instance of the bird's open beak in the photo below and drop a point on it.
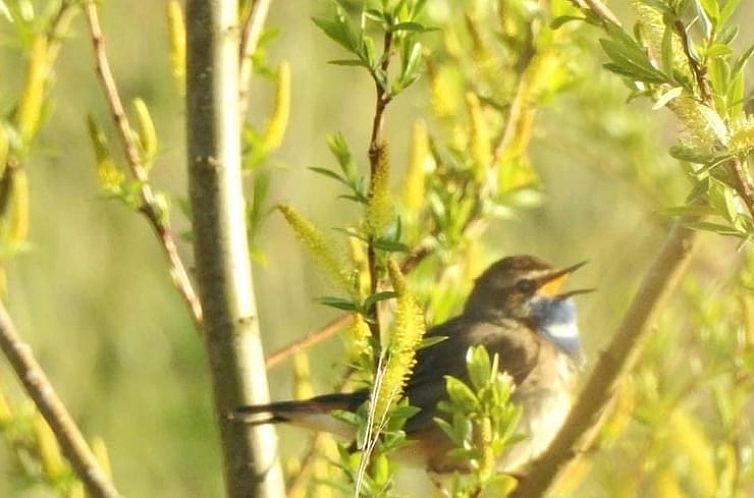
(550, 283)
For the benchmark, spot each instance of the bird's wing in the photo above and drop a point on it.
(516, 345)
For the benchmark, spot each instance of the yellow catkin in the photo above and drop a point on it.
(319, 247)
(6, 415)
(302, 377)
(32, 98)
(572, 476)
(358, 337)
(4, 147)
(380, 209)
(480, 144)
(177, 43)
(99, 448)
(48, 450)
(277, 124)
(697, 132)
(408, 330)
(19, 209)
(742, 136)
(665, 485)
(620, 414)
(689, 440)
(655, 30)
(108, 174)
(358, 255)
(420, 162)
(147, 133)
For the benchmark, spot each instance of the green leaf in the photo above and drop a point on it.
(667, 50)
(728, 34)
(717, 228)
(370, 301)
(712, 9)
(330, 174)
(741, 61)
(339, 303)
(718, 50)
(660, 6)
(561, 20)
(727, 11)
(479, 366)
(461, 395)
(390, 245)
(691, 155)
(410, 26)
(340, 29)
(632, 61)
(716, 123)
(431, 341)
(349, 62)
(666, 97)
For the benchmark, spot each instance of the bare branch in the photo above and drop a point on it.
(658, 283)
(336, 325)
(310, 339)
(38, 386)
(250, 35)
(149, 204)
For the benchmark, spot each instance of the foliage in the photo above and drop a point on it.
(481, 421)
(500, 83)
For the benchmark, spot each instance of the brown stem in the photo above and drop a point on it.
(38, 386)
(696, 68)
(376, 149)
(251, 32)
(336, 325)
(150, 207)
(657, 285)
(310, 339)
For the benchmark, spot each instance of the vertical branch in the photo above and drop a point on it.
(250, 35)
(150, 206)
(221, 249)
(38, 386)
(376, 151)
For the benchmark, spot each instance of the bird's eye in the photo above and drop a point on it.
(526, 286)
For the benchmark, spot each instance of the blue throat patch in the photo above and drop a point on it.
(555, 320)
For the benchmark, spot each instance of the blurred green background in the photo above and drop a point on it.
(93, 297)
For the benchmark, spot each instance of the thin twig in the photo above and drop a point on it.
(657, 285)
(59, 29)
(250, 35)
(314, 337)
(743, 186)
(602, 11)
(376, 151)
(38, 386)
(150, 207)
(336, 325)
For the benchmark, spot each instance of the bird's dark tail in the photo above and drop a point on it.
(313, 413)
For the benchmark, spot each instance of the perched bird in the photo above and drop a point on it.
(516, 312)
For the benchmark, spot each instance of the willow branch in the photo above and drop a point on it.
(310, 339)
(150, 208)
(376, 152)
(223, 269)
(37, 385)
(251, 32)
(657, 285)
(336, 325)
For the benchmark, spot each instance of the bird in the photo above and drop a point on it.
(515, 311)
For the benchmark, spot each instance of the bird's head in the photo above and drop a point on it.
(519, 287)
